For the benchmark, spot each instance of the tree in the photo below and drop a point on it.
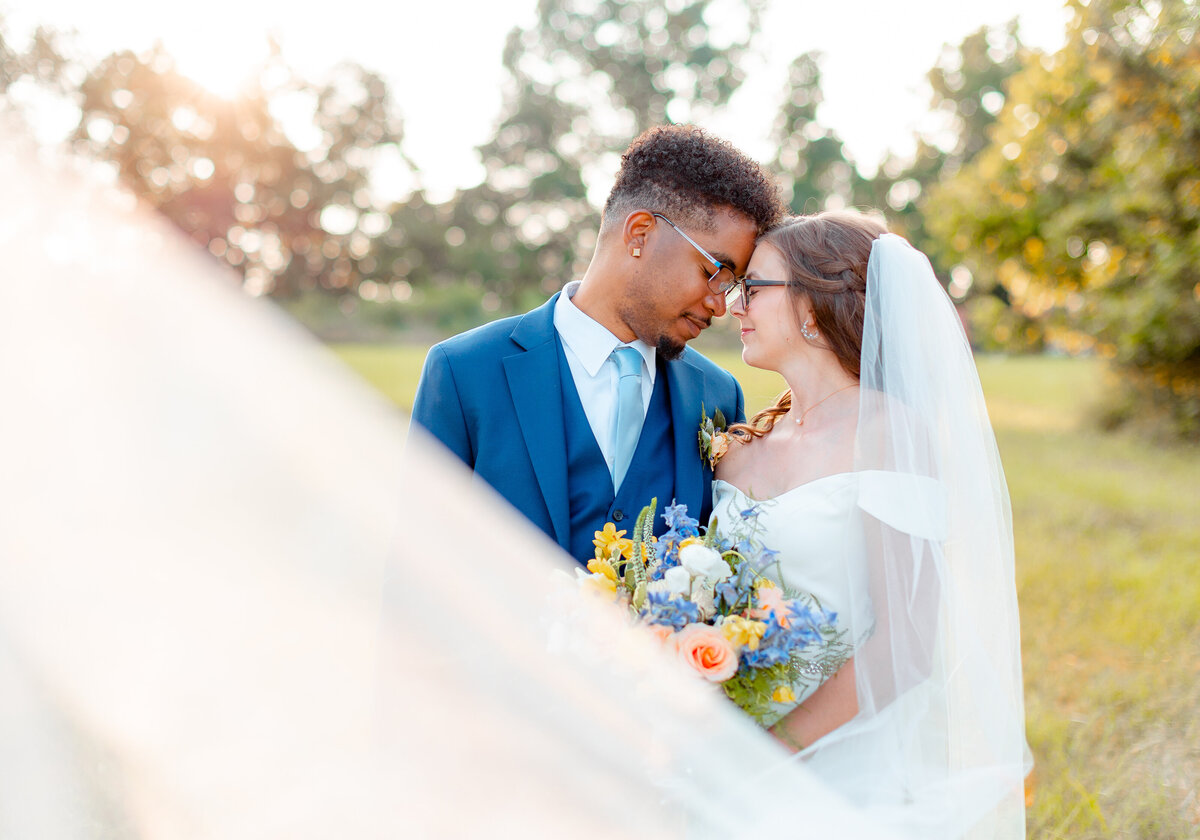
(968, 83)
(815, 172)
(44, 63)
(226, 173)
(1085, 204)
(810, 161)
(584, 79)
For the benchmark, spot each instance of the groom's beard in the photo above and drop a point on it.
(669, 350)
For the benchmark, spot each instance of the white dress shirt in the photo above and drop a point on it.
(588, 347)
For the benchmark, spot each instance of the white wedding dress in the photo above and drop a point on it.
(819, 531)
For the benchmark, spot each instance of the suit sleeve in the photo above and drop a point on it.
(438, 408)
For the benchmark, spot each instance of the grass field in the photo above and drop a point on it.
(1107, 532)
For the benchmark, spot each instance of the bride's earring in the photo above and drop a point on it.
(637, 252)
(811, 335)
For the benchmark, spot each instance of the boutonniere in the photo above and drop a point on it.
(714, 442)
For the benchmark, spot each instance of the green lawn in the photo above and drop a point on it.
(1108, 564)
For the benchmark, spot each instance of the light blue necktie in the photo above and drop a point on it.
(629, 410)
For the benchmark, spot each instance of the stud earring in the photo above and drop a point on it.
(637, 252)
(811, 335)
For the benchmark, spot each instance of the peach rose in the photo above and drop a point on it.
(770, 599)
(720, 445)
(706, 650)
(661, 632)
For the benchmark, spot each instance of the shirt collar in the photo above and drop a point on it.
(589, 340)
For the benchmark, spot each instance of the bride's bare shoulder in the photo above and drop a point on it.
(737, 457)
(886, 423)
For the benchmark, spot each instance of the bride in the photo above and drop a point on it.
(875, 477)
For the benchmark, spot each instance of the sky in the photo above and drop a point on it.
(443, 59)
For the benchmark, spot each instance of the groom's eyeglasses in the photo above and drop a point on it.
(721, 281)
(740, 294)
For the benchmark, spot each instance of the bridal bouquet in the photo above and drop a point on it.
(707, 600)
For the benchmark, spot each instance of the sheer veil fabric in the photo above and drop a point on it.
(234, 605)
(938, 747)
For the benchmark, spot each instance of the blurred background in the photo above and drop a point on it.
(392, 175)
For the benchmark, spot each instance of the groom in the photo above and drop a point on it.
(582, 410)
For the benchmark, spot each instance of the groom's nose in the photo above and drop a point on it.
(715, 303)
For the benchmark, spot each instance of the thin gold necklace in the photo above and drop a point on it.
(800, 422)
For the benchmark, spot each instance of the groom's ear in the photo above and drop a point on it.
(638, 225)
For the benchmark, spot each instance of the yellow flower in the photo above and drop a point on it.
(601, 585)
(691, 541)
(763, 583)
(743, 632)
(603, 567)
(784, 694)
(608, 542)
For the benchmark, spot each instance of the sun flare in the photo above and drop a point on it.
(222, 62)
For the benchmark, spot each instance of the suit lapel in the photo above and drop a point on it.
(692, 475)
(536, 388)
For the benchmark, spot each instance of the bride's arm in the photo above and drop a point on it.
(833, 703)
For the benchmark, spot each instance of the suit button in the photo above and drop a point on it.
(618, 516)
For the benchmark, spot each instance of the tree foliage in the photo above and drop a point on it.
(1085, 204)
(225, 171)
(585, 78)
(968, 85)
(810, 161)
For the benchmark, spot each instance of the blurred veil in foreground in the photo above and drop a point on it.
(235, 604)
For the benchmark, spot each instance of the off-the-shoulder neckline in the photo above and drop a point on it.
(785, 492)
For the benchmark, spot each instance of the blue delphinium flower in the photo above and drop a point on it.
(680, 527)
(803, 628)
(679, 523)
(766, 557)
(676, 613)
(736, 593)
(725, 597)
(667, 549)
(666, 552)
(769, 652)
(775, 646)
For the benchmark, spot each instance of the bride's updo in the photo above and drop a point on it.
(826, 255)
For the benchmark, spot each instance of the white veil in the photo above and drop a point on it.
(232, 606)
(938, 746)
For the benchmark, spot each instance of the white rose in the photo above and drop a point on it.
(678, 580)
(703, 598)
(723, 572)
(658, 587)
(703, 562)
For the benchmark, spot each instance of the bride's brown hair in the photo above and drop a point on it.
(826, 255)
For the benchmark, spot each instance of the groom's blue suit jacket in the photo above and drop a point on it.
(494, 397)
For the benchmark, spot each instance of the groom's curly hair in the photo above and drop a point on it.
(687, 174)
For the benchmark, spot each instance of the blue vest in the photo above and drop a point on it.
(589, 483)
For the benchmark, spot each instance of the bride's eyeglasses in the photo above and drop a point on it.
(740, 294)
(723, 280)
